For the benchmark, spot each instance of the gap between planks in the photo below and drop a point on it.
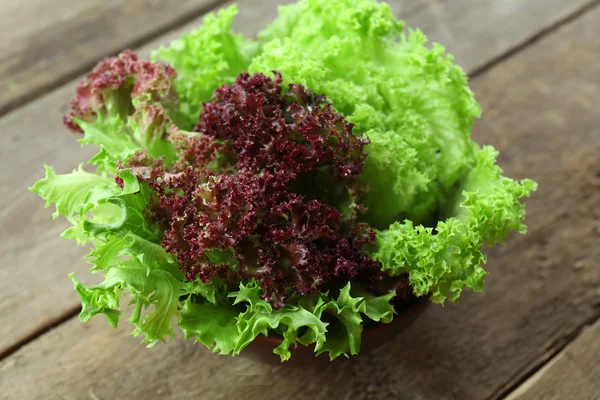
(134, 42)
(515, 388)
(70, 313)
(558, 346)
(544, 32)
(520, 378)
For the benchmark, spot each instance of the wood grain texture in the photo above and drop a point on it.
(46, 42)
(478, 31)
(541, 114)
(574, 374)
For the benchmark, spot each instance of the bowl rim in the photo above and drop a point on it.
(415, 308)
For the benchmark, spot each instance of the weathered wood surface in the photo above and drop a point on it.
(478, 31)
(573, 374)
(31, 250)
(45, 43)
(541, 114)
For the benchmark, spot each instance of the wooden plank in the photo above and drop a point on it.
(45, 43)
(541, 288)
(478, 31)
(573, 374)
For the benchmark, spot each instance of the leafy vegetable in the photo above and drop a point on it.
(226, 330)
(67, 192)
(157, 288)
(290, 242)
(213, 325)
(122, 106)
(303, 205)
(343, 336)
(445, 261)
(412, 102)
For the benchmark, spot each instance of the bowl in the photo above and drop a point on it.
(261, 349)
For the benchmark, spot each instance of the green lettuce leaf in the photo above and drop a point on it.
(128, 207)
(155, 298)
(377, 308)
(126, 249)
(211, 291)
(110, 134)
(120, 227)
(206, 58)
(444, 261)
(261, 318)
(213, 325)
(106, 254)
(343, 335)
(67, 191)
(489, 202)
(333, 326)
(148, 253)
(119, 136)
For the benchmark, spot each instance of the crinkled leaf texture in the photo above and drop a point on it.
(125, 249)
(409, 99)
(415, 106)
(123, 106)
(226, 329)
(156, 289)
(211, 324)
(67, 191)
(445, 260)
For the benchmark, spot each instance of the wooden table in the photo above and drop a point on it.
(534, 334)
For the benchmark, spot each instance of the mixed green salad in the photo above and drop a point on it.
(304, 184)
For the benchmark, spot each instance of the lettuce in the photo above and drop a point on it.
(125, 104)
(68, 191)
(444, 260)
(411, 101)
(111, 219)
(111, 216)
(415, 106)
(155, 299)
(280, 217)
